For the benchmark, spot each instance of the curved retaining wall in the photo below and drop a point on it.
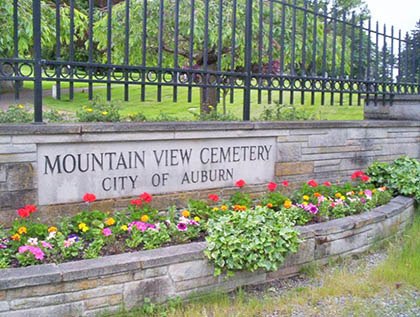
(90, 287)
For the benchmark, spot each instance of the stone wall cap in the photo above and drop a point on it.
(29, 276)
(132, 127)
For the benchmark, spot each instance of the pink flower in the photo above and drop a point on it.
(141, 226)
(146, 197)
(214, 197)
(285, 183)
(37, 252)
(182, 226)
(368, 193)
(106, 232)
(272, 186)
(240, 183)
(89, 198)
(46, 245)
(312, 183)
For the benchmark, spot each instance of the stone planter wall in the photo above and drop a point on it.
(321, 150)
(90, 287)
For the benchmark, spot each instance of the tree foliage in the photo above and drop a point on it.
(48, 27)
(266, 37)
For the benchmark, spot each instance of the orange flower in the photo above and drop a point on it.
(52, 229)
(270, 205)
(109, 221)
(185, 213)
(287, 204)
(317, 195)
(223, 208)
(15, 237)
(239, 208)
(144, 218)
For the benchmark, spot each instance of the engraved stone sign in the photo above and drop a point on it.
(117, 169)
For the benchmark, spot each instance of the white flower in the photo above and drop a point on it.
(33, 241)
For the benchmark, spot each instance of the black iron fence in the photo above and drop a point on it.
(290, 51)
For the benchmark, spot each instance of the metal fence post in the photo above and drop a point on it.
(36, 16)
(248, 61)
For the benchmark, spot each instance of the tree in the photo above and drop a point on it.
(25, 29)
(266, 48)
(409, 59)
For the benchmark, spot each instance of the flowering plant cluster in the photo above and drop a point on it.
(92, 233)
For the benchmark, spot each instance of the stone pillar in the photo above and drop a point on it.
(401, 107)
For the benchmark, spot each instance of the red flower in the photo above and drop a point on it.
(240, 183)
(136, 202)
(146, 197)
(312, 183)
(23, 212)
(328, 184)
(364, 178)
(272, 186)
(89, 198)
(214, 197)
(31, 208)
(26, 211)
(285, 183)
(357, 174)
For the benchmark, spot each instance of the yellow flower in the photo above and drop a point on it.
(305, 197)
(109, 221)
(21, 106)
(337, 195)
(287, 204)
(215, 209)
(197, 218)
(83, 227)
(374, 190)
(15, 237)
(144, 218)
(343, 197)
(361, 193)
(22, 230)
(305, 203)
(104, 113)
(224, 208)
(124, 228)
(89, 110)
(52, 229)
(185, 213)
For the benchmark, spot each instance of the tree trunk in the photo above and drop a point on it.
(8, 85)
(208, 95)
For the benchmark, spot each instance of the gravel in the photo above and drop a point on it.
(401, 301)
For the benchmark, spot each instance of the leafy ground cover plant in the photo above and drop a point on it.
(242, 233)
(402, 176)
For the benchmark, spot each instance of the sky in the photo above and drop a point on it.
(402, 14)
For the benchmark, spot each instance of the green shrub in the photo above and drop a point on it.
(251, 240)
(16, 114)
(99, 111)
(401, 176)
(280, 112)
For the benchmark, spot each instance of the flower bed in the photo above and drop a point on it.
(89, 287)
(231, 226)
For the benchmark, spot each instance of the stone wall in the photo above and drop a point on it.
(303, 150)
(90, 287)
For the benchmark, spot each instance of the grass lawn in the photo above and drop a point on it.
(340, 289)
(183, 110)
